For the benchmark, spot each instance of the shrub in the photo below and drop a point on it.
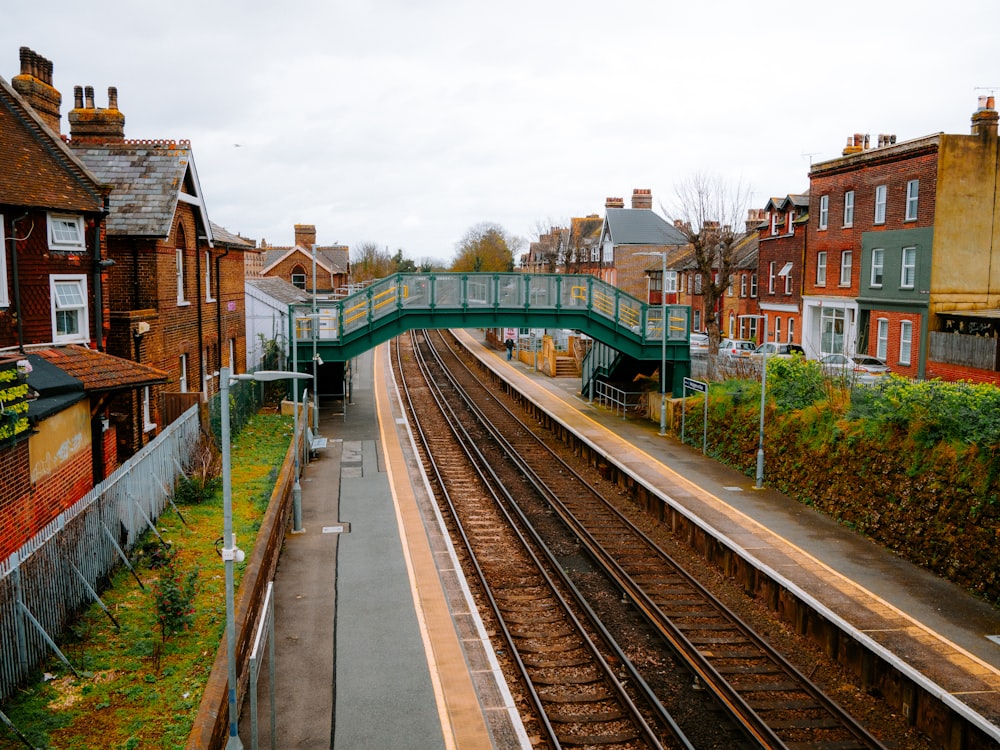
(174, 593)
(795, 383)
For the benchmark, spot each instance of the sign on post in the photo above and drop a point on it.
(702, 387)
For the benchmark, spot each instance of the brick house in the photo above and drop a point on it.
(295, 264)
(177, 299)
(627, 233)
(901, 250)
(56, 435)
(782, 246)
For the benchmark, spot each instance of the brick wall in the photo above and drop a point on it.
(893, 341)
(15, 506)
(947, 371)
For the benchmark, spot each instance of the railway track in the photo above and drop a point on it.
(775, 705)
(574, 689)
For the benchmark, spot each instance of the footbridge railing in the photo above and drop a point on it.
(342, 328)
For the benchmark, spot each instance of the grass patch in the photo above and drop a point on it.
(136, 690)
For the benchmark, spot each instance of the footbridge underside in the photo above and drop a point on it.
(332, 331)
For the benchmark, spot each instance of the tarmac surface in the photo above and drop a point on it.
(377, 643)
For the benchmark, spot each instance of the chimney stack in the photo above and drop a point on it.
(985, 119)
(305, 235)
(34, 84)
(614, 203)
(90, 124)
(855, 144)
(642, 198)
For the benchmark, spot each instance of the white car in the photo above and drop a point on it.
(733, 348)
(861, 368)
(699, 343)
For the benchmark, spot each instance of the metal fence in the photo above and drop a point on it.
(61, 569)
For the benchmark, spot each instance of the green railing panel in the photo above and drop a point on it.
(342, 329)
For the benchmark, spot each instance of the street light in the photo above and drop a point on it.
(763, 392)
(230, 552)
(663, 342)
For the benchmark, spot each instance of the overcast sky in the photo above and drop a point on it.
(407, 122)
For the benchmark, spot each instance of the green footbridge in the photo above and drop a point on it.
(629, 336)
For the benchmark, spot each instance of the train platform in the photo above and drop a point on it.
(378, 643)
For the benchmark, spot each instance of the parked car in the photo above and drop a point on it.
(774, 349)
(699, 343)
(732, 348)
(860, 368)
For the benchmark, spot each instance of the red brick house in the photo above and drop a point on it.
(782, 249)
(177, 296)
(295, 264)
(56, 434)
(902, 246)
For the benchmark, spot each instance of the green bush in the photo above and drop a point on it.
(795, 383)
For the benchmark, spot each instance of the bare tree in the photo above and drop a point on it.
(711, 215)
(370, 262)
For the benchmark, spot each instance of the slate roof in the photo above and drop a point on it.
(222, 236)
(39, 170)
(148, 179)
(640, 226)
(100, 372)
(279, 289)
(333, 258)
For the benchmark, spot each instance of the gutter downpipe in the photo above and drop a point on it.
(17, 280)
(218, 306)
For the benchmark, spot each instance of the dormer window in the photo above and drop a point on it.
(66, 233)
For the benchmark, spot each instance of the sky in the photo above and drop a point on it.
(407, 123)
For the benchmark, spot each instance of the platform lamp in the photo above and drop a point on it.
(663, 337)
(230, 552)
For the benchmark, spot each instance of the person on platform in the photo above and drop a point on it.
(509, 343)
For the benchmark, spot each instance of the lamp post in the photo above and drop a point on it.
(763, 397)
(230, 552)
(663, 340)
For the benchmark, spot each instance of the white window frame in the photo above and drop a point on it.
(148, 425)
(753, 285)
(877, 277)
(849, 208)
(671, 282)
(908, 268)
(179, 263)
(905, 341)
(821, 268)
(882, 338)
(824, 211)
(791, 330)
(208, 277)
(301, 277)
(846, 267)
(65, 233)
(743, 284)
(57, 305)
(880, 196)
(183, 380)
(4, 294)
(777, 328)
(912, 200)
(770, 277)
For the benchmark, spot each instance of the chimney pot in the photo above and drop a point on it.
(78, 97)
(113, 97)
(88, 94)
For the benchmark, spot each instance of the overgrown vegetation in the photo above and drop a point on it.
(140, 685)
(913, 465)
